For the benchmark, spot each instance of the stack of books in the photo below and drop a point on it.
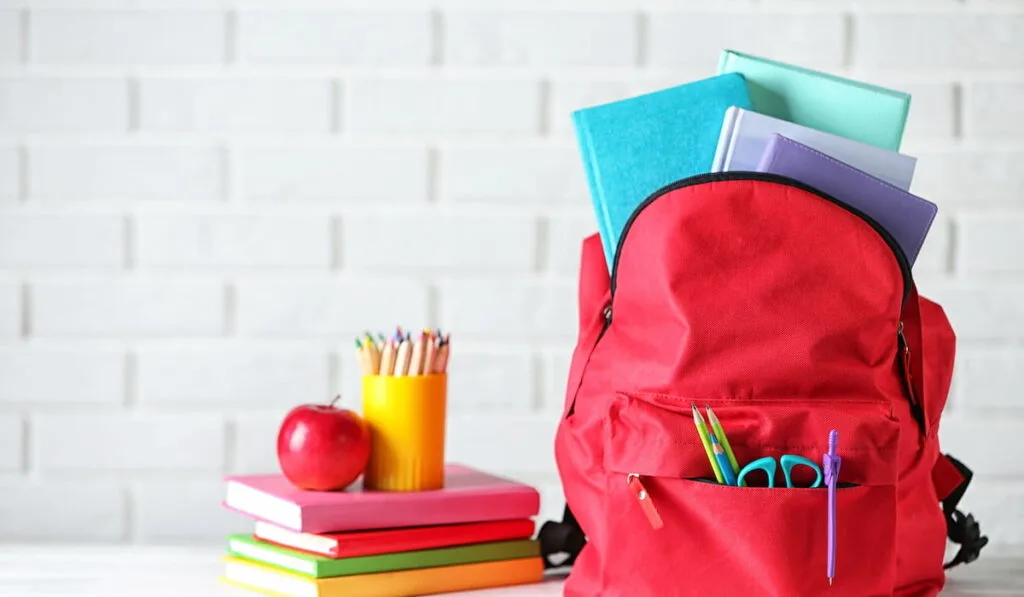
(475, 533)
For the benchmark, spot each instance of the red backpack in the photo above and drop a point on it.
(790, 314)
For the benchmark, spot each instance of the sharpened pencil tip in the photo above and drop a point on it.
(697, 418)
(712, 416)
(830, 582)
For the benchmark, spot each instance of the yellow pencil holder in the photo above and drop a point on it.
(407, 423)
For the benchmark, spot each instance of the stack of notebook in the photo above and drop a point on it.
(835, 134)
(475, 533)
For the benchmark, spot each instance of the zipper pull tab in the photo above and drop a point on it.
(633, 480)
(905, 353)
(915, 405)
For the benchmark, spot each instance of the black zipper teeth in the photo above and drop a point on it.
(763, 177)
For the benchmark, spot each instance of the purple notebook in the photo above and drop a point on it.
(907, 217)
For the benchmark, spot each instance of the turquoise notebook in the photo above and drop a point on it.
(851, 109)
(635, 146)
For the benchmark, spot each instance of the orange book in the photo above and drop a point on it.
(404, 583)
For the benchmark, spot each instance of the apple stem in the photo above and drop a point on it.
(336, 398)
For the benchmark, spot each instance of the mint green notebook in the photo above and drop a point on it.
(248, 547)
(844, 107)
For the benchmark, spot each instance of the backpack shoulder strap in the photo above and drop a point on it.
(951, 478)
(564, 537)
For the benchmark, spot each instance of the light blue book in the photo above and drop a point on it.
(633, 147)
(845, 107)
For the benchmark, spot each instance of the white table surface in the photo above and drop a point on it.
(109, 571)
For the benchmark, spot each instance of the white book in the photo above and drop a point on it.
(745, 136)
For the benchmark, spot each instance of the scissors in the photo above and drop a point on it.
(788, 461)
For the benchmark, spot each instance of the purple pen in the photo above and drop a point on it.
(830, 463)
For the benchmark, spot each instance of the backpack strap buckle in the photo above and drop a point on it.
(564, 537)
(961, 528)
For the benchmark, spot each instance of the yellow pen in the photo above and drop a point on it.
(702, 431)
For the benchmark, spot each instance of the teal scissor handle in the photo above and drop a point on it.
(788, 461)
(766, 464)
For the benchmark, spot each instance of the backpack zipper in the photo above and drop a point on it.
(606, 313)
(646, 503)
(908, 381)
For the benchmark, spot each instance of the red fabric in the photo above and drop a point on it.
(946, 477)
(780, 310)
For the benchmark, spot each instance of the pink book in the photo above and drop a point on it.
(469, 495)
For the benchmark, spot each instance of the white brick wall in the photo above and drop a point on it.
(54, 240)
(84, 37)
(201, 203)
(9, 166)
(441, 105)
(62, 511)
(528, 309)
(540, 38)
(10, 309)
(325, 307)
(331, 172)
(943, 40)
(477, 241)
(124, 171)
(11, 442)
(91, 376)
(995, 109)
(63, 105)
(10, 36)
(126, 442)
(695, 39)
(235, 105)
(233, 240)
(113, 308)
(335, 37)
(197, 375)
(512, 174)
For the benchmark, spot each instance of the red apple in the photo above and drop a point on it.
(323, 447)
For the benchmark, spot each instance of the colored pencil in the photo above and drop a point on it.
(418, 348)
(441, 360)
(362, 357)
(723, 461)
(387, 359)
(373, 353)
(402, 359)
(428, 357)
(702, 431)
(716, 428)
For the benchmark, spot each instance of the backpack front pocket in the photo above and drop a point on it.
(674, 530)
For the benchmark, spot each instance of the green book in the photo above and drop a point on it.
(845, 107)
(248, 547)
